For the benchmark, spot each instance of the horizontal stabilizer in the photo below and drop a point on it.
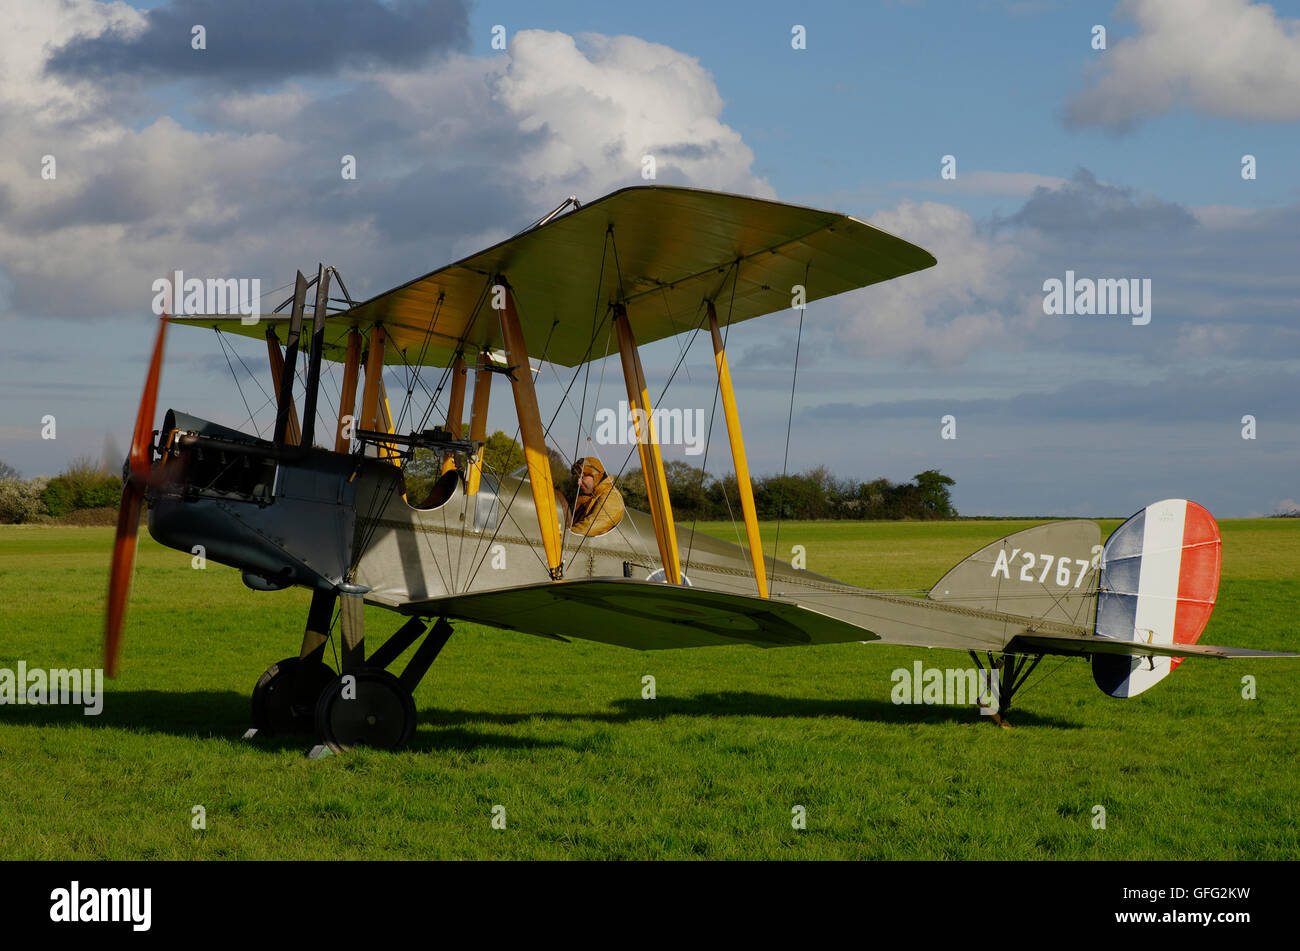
(644, 615)
(1047, 644)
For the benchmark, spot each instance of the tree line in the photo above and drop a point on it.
(83, 484)
(814, 493)
(694, 493)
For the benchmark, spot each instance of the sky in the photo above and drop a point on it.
(1156, 141)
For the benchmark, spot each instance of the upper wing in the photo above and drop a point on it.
(663, 251)
(643, 615)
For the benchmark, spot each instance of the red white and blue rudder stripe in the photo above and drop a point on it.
(1159, 579)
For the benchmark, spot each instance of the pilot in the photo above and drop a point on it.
(600, 506)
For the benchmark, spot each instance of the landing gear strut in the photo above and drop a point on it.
(1006, 675)
(364, 705)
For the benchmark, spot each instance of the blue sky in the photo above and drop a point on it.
(229, 164)
(885, 89)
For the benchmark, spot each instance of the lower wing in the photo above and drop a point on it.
(642, 615)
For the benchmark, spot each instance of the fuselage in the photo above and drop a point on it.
(320, 519)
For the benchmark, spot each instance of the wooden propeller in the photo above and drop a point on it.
(128, 513)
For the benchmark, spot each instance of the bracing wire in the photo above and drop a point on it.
(785, 463)
(240, 388)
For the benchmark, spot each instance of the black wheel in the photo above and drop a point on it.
(365, 707)
(284, 700)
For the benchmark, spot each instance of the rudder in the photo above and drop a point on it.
(1159, 581)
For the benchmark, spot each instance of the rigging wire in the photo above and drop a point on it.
(222, 342)
(785, 463)
(595, 311)
(708, 439)
(546, 348)
(628, 457)
(518, 429)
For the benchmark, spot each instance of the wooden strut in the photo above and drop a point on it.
(374, 377)
(293, 433)
(388, 452)
(743, 484)
(375, 413)
(348, 399)
(315, 353)
(353, 627)
(284, 386)
(455, 409)
(478, 421)
(652, 462)
(530, 427)
(319, 616)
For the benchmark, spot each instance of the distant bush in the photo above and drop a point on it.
(21, 499)
(106, 494)
(59, 497)
(83, 485)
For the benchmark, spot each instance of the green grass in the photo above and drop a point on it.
(559, 735)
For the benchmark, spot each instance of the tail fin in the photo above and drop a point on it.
(1159, 580)
(1048, 572)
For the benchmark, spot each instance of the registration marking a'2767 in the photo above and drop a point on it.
(1029, 563)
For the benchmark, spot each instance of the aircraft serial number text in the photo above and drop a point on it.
(1030, 562)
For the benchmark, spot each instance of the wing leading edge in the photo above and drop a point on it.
(675, 248)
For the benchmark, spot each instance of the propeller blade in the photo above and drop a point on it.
(143, 435)
(128, 513)
(119, 578)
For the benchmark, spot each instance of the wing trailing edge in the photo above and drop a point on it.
(642, 615)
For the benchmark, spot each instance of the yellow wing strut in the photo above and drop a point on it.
(530, 427)
(738, 455)
(478, 421)
(652, 463)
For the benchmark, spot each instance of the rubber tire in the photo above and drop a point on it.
(381, 715)
(274, 712)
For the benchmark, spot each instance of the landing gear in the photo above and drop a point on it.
(1005, 676)
(284, 699)
(367, 707)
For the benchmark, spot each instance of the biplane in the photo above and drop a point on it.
(330, 511)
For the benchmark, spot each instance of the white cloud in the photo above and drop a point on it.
(941, 314)
(451, 156)
(1221, 288)
(1224, 57)
(33, 28)
(258, 110)
(606, 103)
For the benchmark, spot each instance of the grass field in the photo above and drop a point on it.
(585, 768)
